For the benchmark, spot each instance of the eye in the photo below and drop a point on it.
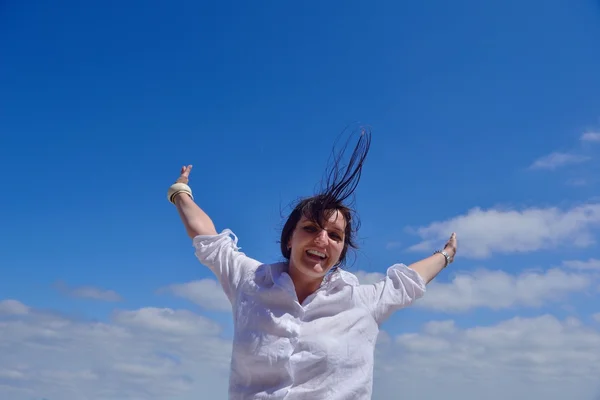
(310, 228)
(335, 236)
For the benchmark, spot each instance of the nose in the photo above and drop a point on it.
(321, 237)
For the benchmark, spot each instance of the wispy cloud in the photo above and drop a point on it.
(498, 290)
(556, 160)
(590, 137)
(88, 292)
(577, 182)
(207, 293)
(484, 232)
(13, 307)
(591, 264)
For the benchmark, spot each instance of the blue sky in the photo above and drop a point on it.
(471, 105)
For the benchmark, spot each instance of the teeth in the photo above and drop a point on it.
(316, 253)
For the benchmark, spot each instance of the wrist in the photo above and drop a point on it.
(181, 197)
(451, 251)
(176, 189)
(446, 256)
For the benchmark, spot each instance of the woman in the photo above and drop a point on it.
(304, 328)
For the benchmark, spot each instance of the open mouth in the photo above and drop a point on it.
(316, 255)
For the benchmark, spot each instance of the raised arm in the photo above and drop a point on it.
(402, 285)
(195, 220)
(429, 267)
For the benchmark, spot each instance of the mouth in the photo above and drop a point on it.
(316, 255)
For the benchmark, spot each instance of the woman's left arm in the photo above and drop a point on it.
(429, 267)
(402, 285)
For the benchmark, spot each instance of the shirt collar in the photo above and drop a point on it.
(277, 275)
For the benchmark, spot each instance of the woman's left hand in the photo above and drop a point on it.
(451, 246)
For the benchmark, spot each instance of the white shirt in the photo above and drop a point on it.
(322, 349)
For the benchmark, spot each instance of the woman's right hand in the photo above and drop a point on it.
(195, 220)
(184, 174)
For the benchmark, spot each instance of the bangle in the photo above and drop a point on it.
(446, 256)
(177, 188)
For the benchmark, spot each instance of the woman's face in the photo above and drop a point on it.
(315, 250)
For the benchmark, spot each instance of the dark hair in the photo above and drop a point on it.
(339, 185)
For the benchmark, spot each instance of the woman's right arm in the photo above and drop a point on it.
(219, 252)
(195, 220)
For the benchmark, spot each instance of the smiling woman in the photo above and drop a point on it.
(305, 328)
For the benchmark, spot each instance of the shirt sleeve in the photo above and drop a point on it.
(223, 257)
(400, 287)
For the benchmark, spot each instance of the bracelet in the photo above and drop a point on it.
(177, 188)
(446, 256)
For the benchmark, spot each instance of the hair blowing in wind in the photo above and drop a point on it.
(340, 181)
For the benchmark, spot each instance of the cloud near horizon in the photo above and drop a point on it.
(206, 293)
(157, 353)
(524, 358)
(150, 353)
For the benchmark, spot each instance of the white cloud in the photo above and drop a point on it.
(13, 307)
(367, 278)
(590, 137)
(519, 358)
(88, 292)
(154, 353)
(148, 353)
(181, 323)
(596, 317)
(556, 160)
(590, 264)
(483, 232)
(498, 290)
(439, 327)
(206, 293)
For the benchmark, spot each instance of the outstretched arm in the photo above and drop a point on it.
(195, 220)
(429, 267)
(219, 252)
(402, 285)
